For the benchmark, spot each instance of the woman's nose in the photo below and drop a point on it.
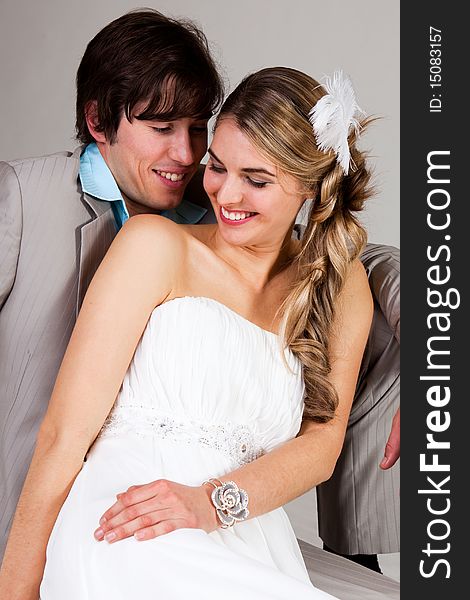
(229, 193)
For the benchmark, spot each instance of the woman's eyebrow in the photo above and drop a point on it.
(214, 155)
(245, 170)
(258, 170)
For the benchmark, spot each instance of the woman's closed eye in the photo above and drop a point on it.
(253, 182)
(216, 168)
(257, 184)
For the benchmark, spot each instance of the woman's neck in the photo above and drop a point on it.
(257, 265)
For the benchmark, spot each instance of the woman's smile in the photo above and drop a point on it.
(236, 217)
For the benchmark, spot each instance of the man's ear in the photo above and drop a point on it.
(91, 116)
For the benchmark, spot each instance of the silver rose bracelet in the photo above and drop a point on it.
(230, 502)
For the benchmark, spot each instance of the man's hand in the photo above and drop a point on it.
(147, 511)
(392, 448)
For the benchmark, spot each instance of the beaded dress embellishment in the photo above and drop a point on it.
(234, 440)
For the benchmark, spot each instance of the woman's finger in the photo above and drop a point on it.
(143, 522)
(128, 515)
(133, 495)
(162, 528)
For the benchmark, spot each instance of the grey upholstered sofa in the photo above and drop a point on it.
(344, 579)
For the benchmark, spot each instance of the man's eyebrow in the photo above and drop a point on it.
(158, 117)
(202, 117)
(245, 170)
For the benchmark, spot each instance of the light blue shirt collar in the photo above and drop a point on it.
(95, 176)
(97, 181)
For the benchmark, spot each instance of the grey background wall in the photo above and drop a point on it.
(41, 44)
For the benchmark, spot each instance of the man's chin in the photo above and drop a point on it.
(168, 203)
(153, 205)
(159, 207)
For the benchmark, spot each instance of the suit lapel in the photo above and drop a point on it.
(95, 238)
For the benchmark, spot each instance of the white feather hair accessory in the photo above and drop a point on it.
(333, 116)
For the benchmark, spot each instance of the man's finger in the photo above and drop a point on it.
(392, 454)
(392, 448)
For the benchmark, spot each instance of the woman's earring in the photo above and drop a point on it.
(302, 216)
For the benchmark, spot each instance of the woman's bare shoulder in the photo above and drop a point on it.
(149, 247)
(155, 237)
(174, 252)
(148, 226)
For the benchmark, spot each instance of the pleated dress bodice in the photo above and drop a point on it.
(203, 374)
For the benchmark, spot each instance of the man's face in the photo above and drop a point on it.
(153, 161)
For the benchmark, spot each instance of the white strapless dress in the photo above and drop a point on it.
(207, 391)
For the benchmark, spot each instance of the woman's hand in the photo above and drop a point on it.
(147, 511)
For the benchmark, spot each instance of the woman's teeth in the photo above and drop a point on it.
(236, 216)
(171, 176)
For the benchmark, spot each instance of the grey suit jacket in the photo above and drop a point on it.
(358, 508)
(52, 239)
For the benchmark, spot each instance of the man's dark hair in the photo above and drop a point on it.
(146, 57)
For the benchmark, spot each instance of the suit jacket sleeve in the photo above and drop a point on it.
(11, 222)
(383, 263)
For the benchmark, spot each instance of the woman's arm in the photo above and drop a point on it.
(136, 275)
(279, 476)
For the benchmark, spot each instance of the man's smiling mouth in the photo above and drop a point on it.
(171, 176)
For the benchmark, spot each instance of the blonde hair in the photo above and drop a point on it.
(271, 108)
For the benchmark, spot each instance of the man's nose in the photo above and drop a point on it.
(181, 150)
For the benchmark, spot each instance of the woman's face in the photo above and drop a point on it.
(253, 207)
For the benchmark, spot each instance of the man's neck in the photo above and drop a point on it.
(134, 208)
